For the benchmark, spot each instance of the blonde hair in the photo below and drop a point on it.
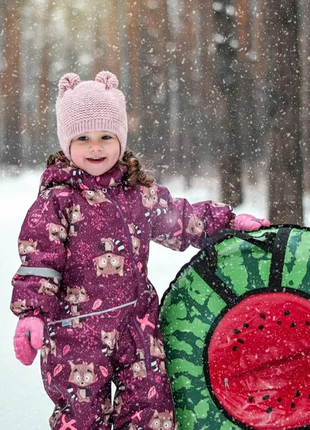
(136, 174)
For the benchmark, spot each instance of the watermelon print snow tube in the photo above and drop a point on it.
(236, 326)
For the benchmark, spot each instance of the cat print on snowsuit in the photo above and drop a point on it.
(95, 197)
(82, 375)
(153, 202)
(26, 247)
(75, 216)
(195, 226)
(49, 347)
(19, 307)
(135, 237)
(161, 421)
(48, 287)
(109, 264)
(75, 297)
(139, 370)
(84, 250)
(109, 341)
(158, 354)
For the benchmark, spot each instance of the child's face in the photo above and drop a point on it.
(95, 152)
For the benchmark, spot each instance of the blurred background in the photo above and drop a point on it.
(216, 88)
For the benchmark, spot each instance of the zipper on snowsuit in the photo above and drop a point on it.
(137, 275)
(67, 321)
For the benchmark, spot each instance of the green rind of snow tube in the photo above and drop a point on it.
(192, 306)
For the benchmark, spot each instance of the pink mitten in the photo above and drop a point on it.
(250, 223)
(28, 339)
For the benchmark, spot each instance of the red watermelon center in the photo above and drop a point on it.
(259, 361)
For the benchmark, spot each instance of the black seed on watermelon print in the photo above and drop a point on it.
(261, 327)
(293, 325)
(240, 341)
(269, 410)
(235, 348)
(297, 394)
(279, 399)
(262, 315)
(245, 325)
(266, 397)
(236, 331)
(286, 313)
(293, 406)
(307, 323)
(250, 399)
(279, 322)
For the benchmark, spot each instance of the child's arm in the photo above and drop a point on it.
(36, 284)
(178, 224)
(43, 255)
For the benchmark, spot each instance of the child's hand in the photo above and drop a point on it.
(28, 339)
(250, 223)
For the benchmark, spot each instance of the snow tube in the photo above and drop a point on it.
(236, 327)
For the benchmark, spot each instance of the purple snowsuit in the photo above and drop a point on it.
(84, 249)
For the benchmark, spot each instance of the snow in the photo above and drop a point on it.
(24, 403)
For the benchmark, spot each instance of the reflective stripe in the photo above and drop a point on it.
(93, 313)
(44, 272)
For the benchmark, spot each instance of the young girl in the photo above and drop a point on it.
(82, 286)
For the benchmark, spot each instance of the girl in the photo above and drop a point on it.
(82, 286)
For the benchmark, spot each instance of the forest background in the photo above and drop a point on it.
(212, 86)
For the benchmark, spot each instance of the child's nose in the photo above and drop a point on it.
(95, 145)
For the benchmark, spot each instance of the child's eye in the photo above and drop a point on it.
(106, 137)
(82, 138)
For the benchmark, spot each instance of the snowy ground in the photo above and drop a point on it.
(23, 402)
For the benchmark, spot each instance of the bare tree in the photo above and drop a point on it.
(247, 100)
(208, 93)
(11, 84)
(134, 43)
(106, 36)
(190, 138)
(40, 146)
(304, 41)
(226, 80)
(258, 54)
(155, 98)
(283, 77)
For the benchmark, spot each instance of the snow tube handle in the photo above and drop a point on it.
(266, 242)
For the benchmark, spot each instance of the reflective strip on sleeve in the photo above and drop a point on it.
(43, 272)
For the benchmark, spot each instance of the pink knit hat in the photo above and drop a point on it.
(87, 106)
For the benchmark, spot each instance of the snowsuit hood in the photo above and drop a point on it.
(60, 174)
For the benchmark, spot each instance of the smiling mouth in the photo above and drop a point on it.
(96, 160)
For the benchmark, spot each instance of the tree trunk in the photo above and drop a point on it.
(246, 94)
(285, 169)
(134, 97)
(209, 99)
(39, 148)
(11, 85)
(304, 41)
(155, 99)
(190, 91)
(258, 50)
(226, 80)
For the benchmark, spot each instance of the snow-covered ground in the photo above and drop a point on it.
(23, 402)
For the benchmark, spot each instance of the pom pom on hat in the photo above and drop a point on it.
(85, 106)
(68, 82)
(108, 79)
